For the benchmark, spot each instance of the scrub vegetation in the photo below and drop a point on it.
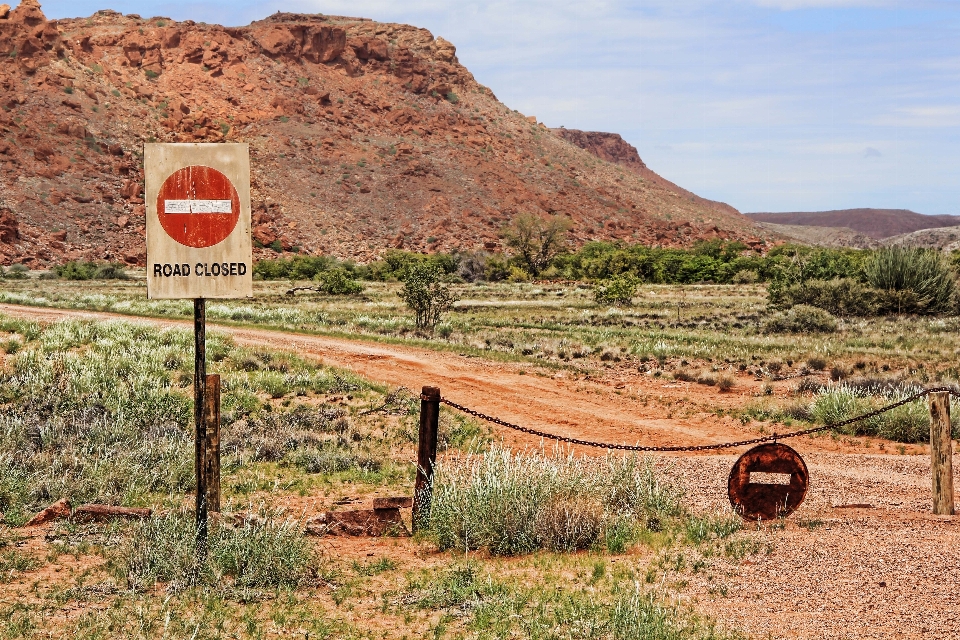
(101, 412)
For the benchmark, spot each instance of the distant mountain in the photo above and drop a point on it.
(875, 223)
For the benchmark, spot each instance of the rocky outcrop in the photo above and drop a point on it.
(27, 37)
(606, 146)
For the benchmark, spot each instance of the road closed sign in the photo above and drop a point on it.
(198, 221)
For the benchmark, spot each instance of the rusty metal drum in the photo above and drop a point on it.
(768, 482)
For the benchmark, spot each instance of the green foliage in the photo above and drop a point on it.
(713, 261)
(840, 296)
(907, 423)
(924, 275)
(452, 98)
(151, 74)
(802, 319)
(81, 270)
(338, 282)
(511, 503)
(395, 264)
(425, 293)
(618, 290)
(536, 240)
(16, 272)
(300, 268)
(261, 554)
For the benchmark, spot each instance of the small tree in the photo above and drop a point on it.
(537, 240)
(426, 294)
(618, 290)
(338, 282)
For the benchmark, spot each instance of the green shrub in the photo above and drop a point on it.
(801, 319)
(426, 294)
(618, 290)
(840, 296)
(916, 280)
(259, 554)
(906, 423)
(16, 272)
(81, 270)
(511, 503)
(745, 276)
(337, 282)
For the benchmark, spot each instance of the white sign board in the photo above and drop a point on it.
(198, 221)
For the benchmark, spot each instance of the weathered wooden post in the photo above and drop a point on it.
(211, 453)
(941, 453)
(200, 434)
(426, 454)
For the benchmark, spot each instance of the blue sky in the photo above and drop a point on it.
(769, 105)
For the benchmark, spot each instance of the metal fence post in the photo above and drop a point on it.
(941, 453)
(200, 436)
(426, 453)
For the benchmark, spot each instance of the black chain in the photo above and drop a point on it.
(700, 447)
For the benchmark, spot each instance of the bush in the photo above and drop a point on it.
(618, 290)
(262, 554)
(906, 423)
(802, 319)
(509, 503)
(473, 266)
(726, 383)
(840, 296)
(338, 282)
(537, 240)
(745, 276)
(16, 272)
(82, 270)
(924, 275)
(426, 295)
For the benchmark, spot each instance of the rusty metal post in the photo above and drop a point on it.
(200, 437)
(211, 419)
(426, 453)
(941, 453)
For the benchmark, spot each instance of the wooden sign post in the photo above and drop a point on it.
(199, 247)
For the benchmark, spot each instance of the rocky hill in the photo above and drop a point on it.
(874, 223)
(363, 136)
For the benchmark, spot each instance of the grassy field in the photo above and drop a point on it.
(702, 333)
(535, 544)
(101, 412)
(557, 325)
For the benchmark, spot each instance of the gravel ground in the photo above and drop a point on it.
(888, 571)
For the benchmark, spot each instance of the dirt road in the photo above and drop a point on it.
(614, 404)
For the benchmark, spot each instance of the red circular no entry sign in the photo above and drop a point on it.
(198, 206)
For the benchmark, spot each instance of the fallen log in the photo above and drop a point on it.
(362, 522)
(57, 511)
(399, 502)
(104, 512)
